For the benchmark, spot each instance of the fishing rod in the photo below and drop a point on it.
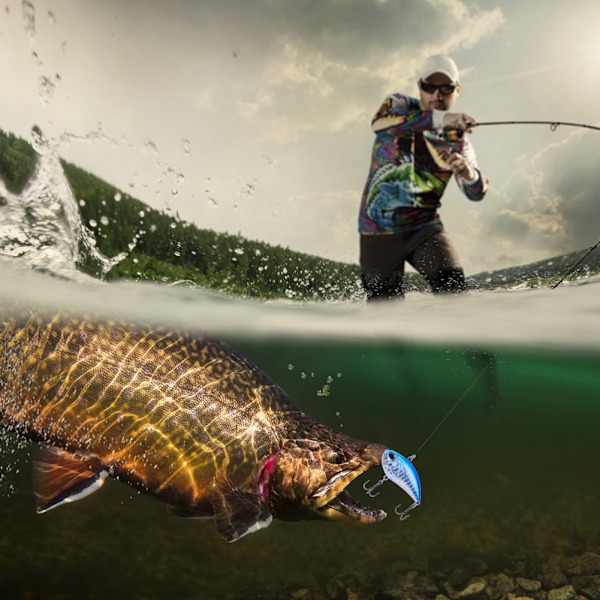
(553, 124)
(454, 133)
(576, 264)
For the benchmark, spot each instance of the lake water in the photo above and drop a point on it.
(511, 474)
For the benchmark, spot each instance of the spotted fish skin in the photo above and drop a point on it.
(183, 417)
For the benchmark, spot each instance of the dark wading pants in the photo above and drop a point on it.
(428, 250)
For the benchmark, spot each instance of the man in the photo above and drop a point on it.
(412, 162)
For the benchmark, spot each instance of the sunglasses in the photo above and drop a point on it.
(445, 88)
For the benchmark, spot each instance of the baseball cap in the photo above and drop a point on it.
(439, 63)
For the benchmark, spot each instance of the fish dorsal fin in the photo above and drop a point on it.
(237, 513)
(61, 477)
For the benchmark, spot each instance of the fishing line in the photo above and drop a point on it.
(453, 134)
(396, 467)
(465, 393)
(575, 265)
(400, 470)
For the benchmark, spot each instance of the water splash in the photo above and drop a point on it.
(41, 227)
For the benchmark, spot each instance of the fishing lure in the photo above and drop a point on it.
(401, 471)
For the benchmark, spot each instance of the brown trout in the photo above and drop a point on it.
(184, 418)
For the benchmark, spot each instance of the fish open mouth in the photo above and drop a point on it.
(333, 501)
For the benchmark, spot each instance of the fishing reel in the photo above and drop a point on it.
(453, 134)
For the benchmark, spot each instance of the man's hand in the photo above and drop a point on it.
(460, 167)
(461, 121)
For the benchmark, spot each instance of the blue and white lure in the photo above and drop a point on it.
(401, 471)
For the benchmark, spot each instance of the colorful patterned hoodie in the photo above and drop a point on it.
(409, 172)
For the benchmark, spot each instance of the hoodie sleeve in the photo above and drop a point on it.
(403, 116)
(474, 190)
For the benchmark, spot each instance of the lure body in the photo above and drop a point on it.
(401, 471)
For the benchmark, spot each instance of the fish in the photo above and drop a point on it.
(179, 415)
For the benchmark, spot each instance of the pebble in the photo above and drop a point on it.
(558, 578)
(528, 585)
(564, 593)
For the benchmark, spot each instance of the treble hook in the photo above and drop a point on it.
(369, 490)
(403, 514)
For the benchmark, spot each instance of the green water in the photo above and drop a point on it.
(512, 473)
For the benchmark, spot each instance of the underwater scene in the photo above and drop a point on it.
(501, 410)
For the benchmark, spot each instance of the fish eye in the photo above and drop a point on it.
(337, 458)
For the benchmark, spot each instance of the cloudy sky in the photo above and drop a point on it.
(253, 116)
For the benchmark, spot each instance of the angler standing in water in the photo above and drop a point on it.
(412, 162)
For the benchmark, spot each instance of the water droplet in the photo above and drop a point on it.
(104, 220)
(186, 145)
(47, 89)
(29, 18)
(248, 190)
(150, 146)
(117, 197)
(92, 223)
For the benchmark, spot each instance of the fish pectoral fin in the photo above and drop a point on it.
(237, 513)
(61, 477)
